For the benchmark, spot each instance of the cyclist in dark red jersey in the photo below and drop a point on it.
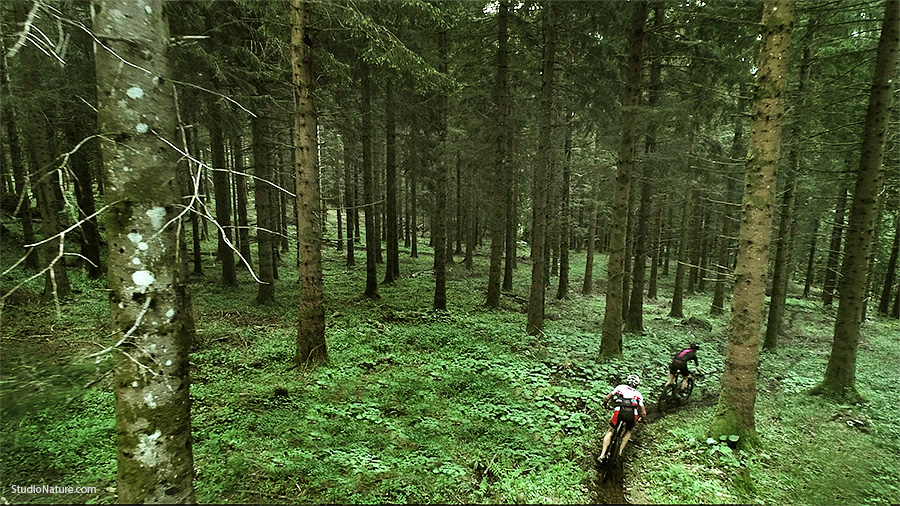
(679, 364)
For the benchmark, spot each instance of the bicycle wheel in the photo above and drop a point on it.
(665, 398)
(612, 453)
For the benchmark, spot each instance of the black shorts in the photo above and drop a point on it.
(678, 366)
(628, 414)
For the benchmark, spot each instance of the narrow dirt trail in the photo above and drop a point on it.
(613, 490)
(610, 491)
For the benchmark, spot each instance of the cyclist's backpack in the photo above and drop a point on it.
(626, 403)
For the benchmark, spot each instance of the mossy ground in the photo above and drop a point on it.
(457, 406)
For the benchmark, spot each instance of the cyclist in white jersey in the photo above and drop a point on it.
(628, 400)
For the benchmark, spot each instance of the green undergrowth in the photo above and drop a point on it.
(813, 451)
(435, 407)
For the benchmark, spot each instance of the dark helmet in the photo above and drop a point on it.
(695, 346)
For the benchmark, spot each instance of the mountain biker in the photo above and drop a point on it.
(628, 400)
(679, 364)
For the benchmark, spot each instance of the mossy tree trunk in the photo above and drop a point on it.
(781, 272)
(146, 256)
(737, 399)
(540, 189)
(311, 347)
(498, 211)
(611, 338)
(840, 373)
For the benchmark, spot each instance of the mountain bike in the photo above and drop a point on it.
(677, 394)
(607, 466)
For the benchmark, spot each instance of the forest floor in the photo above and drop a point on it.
(417, 406)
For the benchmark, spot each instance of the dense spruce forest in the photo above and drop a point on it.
(337, 251)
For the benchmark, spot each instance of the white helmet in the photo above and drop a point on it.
(633, 380)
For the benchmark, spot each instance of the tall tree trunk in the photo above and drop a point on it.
(811, 260)
(378, 199)
(611, 338)
(677, 310)
(594, 172)
(459, 206)
(147, 276)
(512, 217)
(876, 232)
(76, 130)
(311, 347)
(634, 319)
(718, 302)
(350, 202)
(264, 196)
(655, 247)
(564, 215)
(535, 324)
(834, 250)
(45, 184)
(196, 173)
(783, 268)
(223, 199)
(286, 200)
(840, 374)
(439, 231)
(339, 210)
(368, 199)
(629, 246)
(415, 139)
(392, 268)
(651, 230)
(357, 201)
(449, 222)
(704, 248)
(240, 183)
(694, 243)
(737, 399)
(885, 303)
(498, 214)
(471, 188)
(20, 180)
(407, 211)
